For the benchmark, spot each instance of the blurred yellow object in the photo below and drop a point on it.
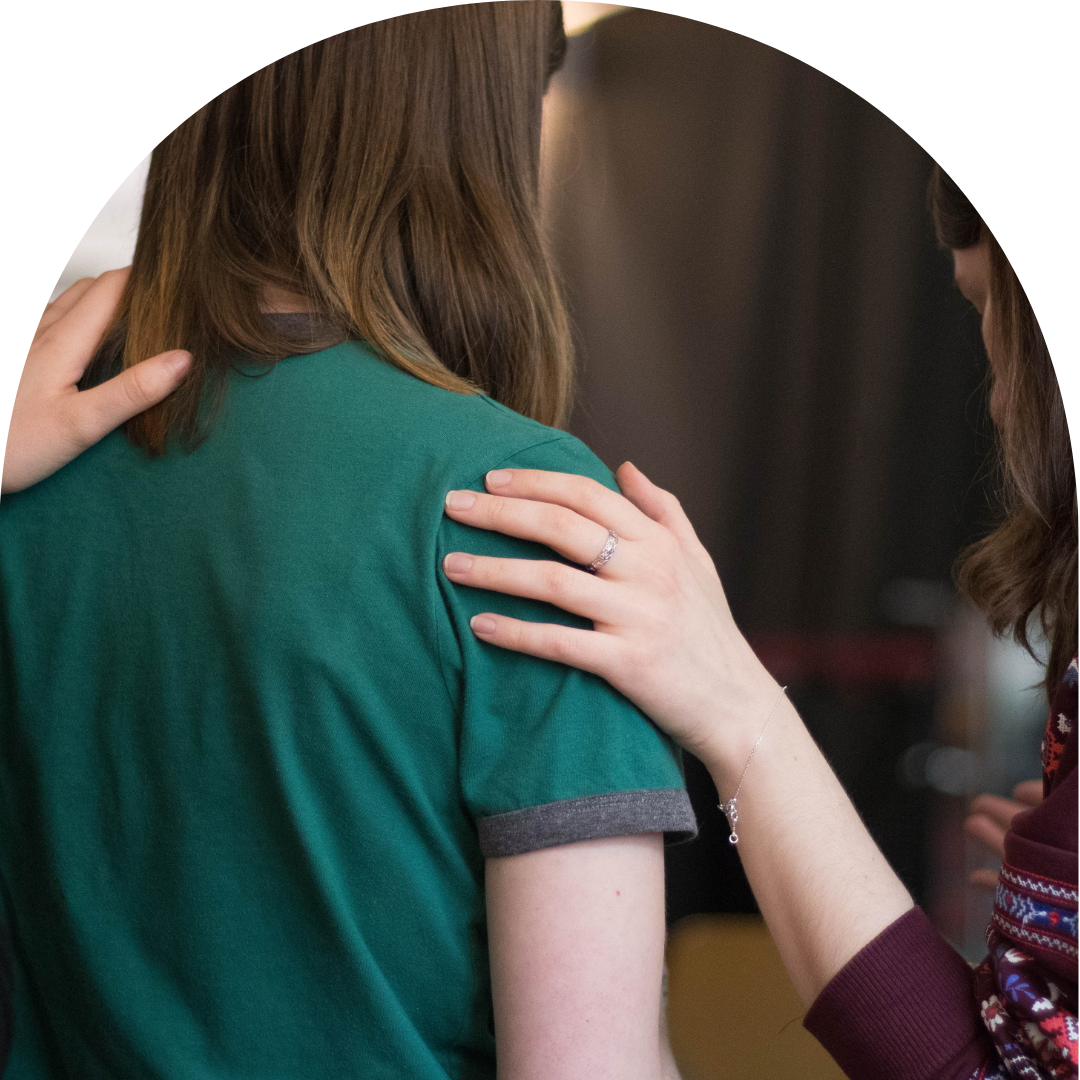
(578, 17)
(732, 1011)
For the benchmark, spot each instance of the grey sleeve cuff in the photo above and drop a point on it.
(621, 813)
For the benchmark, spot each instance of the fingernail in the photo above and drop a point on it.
(483, 624)
(457, 563)
(178, 362)
(499, 478)
(461, 500)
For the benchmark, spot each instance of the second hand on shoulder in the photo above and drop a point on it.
(53, 421)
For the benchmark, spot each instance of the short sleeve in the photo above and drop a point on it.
(548, 754)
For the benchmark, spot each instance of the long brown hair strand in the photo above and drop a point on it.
(1028, 565)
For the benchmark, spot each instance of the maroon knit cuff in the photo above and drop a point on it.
(902, 1008)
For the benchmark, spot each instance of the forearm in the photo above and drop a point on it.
(823, 886)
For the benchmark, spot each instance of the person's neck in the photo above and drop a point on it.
(278, 301)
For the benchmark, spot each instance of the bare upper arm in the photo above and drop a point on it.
(576, 936)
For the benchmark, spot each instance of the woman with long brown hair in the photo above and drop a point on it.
(886, 995)
(267, 807)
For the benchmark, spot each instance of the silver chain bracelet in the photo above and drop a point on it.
(731, 811)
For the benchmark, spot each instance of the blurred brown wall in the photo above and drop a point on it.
(766, 327)
(745, 245)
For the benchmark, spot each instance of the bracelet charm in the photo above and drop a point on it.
(732, 814)
(730, 809)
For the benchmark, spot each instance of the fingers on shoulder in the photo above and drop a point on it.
(92, 414)
(564, 530)
(569, 645)
(535, 579)
(582, 494)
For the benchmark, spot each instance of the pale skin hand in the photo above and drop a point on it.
(664, 636)
(990, 819)
(53, 421)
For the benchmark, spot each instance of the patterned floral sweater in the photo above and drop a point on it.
(907, 1007)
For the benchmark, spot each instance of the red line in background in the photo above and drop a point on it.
(906, 658)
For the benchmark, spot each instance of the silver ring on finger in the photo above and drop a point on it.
(605, 554)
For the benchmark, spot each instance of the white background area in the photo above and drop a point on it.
(109, 243)
(989, 89)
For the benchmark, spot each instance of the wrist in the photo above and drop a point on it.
(738, 719)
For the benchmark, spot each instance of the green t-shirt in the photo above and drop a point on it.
(252, 755)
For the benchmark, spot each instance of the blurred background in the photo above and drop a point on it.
(766, 327)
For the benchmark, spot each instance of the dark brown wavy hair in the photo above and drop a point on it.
(389, 175)
(1027, 565)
